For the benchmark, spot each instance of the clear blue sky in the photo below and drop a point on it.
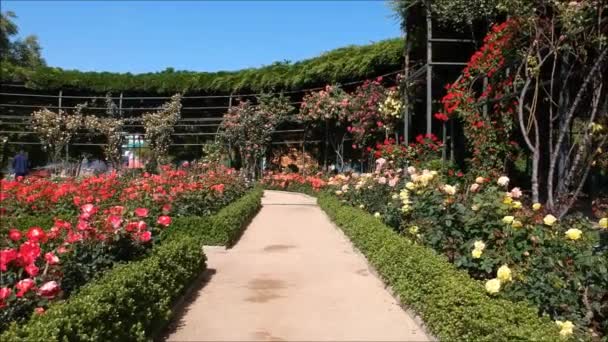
(143, 36)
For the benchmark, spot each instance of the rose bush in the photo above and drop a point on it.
(99, 221)
(516, 248)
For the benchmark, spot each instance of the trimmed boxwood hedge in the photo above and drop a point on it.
(453, 306)
(133, 301)
(223, 228)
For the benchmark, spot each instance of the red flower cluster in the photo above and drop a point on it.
(283, 180)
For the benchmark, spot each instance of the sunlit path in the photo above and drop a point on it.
(293, 276)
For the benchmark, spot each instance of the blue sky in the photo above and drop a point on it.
(143, 36)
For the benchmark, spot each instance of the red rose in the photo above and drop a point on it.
(145, 236)
(29, 252)
(32, 270)
(164, 220)
(115, 221)
(36, 234)
(14, 234)
(6, 256)
(24, 286)
(166, 208)
(141, 212)
(51, 258)
(49, 289)
(5, 292)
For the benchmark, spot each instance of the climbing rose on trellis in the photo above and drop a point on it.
(159, 127)
(56, 129)
(248, 127)
(488, 135)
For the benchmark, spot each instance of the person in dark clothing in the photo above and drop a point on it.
(20, 164)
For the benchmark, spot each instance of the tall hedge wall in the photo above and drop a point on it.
(340, 65)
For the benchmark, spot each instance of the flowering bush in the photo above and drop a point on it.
(293, 182)
(56, 129)
(248, 127)
(521, 252)
(488, 135)
(105, 220)
(159, 127)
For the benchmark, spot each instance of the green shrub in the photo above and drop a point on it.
(223, 228)
(132, 301)
(453, 306)
(127, 303)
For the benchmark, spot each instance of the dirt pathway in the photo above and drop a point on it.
(293, 276)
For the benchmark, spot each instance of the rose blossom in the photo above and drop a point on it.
(24, 286)
(141, 212)
(49, 289)
(14, 235)
(474, 187)
(51, 258)
(164, 220)
(36, 234)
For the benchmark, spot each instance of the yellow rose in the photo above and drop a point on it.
(507, 200)
(479, 180)
(566, 328)
(574, 234)
(504, 274)
(413, 230)
(476, 253)
(549, 220)
(450, 190)
(410, 185)
(479, 245)
(475, 207)
(377, 214)
(536, 206)
(516, 205)
(503, 181)
(361, 206)
(604, 223)
(493, 286)
(516, 224)
(508, 219)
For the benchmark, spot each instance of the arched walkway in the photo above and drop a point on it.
(293, 276)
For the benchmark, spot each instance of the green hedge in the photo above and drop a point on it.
(127, 303)
(133, 301)
(223, 228)
(453, 306)
(345, 64)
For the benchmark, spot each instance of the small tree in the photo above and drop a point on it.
(56, 129)
(159, 127)
(248, 127)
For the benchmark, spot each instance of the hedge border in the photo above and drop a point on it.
(453, 306)
(133, 301)
(226, 226)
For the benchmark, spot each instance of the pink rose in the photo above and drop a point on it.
(24, 286)
(141, 212)
(49, 289)
(164, 220)
(14, 235)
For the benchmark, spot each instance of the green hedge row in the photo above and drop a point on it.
(223, 228)
(453, 306)
(345, 64)
(128, 303)
(133, 301)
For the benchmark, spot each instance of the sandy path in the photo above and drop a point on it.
(293, 276)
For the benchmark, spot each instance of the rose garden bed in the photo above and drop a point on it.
(113, 270)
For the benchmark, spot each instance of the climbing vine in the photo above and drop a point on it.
(160, 125)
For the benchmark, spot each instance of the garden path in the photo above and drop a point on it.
(293, 276)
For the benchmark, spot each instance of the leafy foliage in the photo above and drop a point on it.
(340, 65)
(159, 126)
(453, 306)
(22, 52)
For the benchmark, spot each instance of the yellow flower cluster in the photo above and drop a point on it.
(404, 195)
(574, 234)
(565, 328)
(391, 107)
(479, 246)
(503, 275)
(604, 223)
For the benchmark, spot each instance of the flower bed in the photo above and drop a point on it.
(453, 306)
(520, 252)
(133, 301)
(104, 221)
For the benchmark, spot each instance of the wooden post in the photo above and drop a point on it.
(429, 69)
(406, 102)
(120, 105)
(229, 144)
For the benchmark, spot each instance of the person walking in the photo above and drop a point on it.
(20, 164)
